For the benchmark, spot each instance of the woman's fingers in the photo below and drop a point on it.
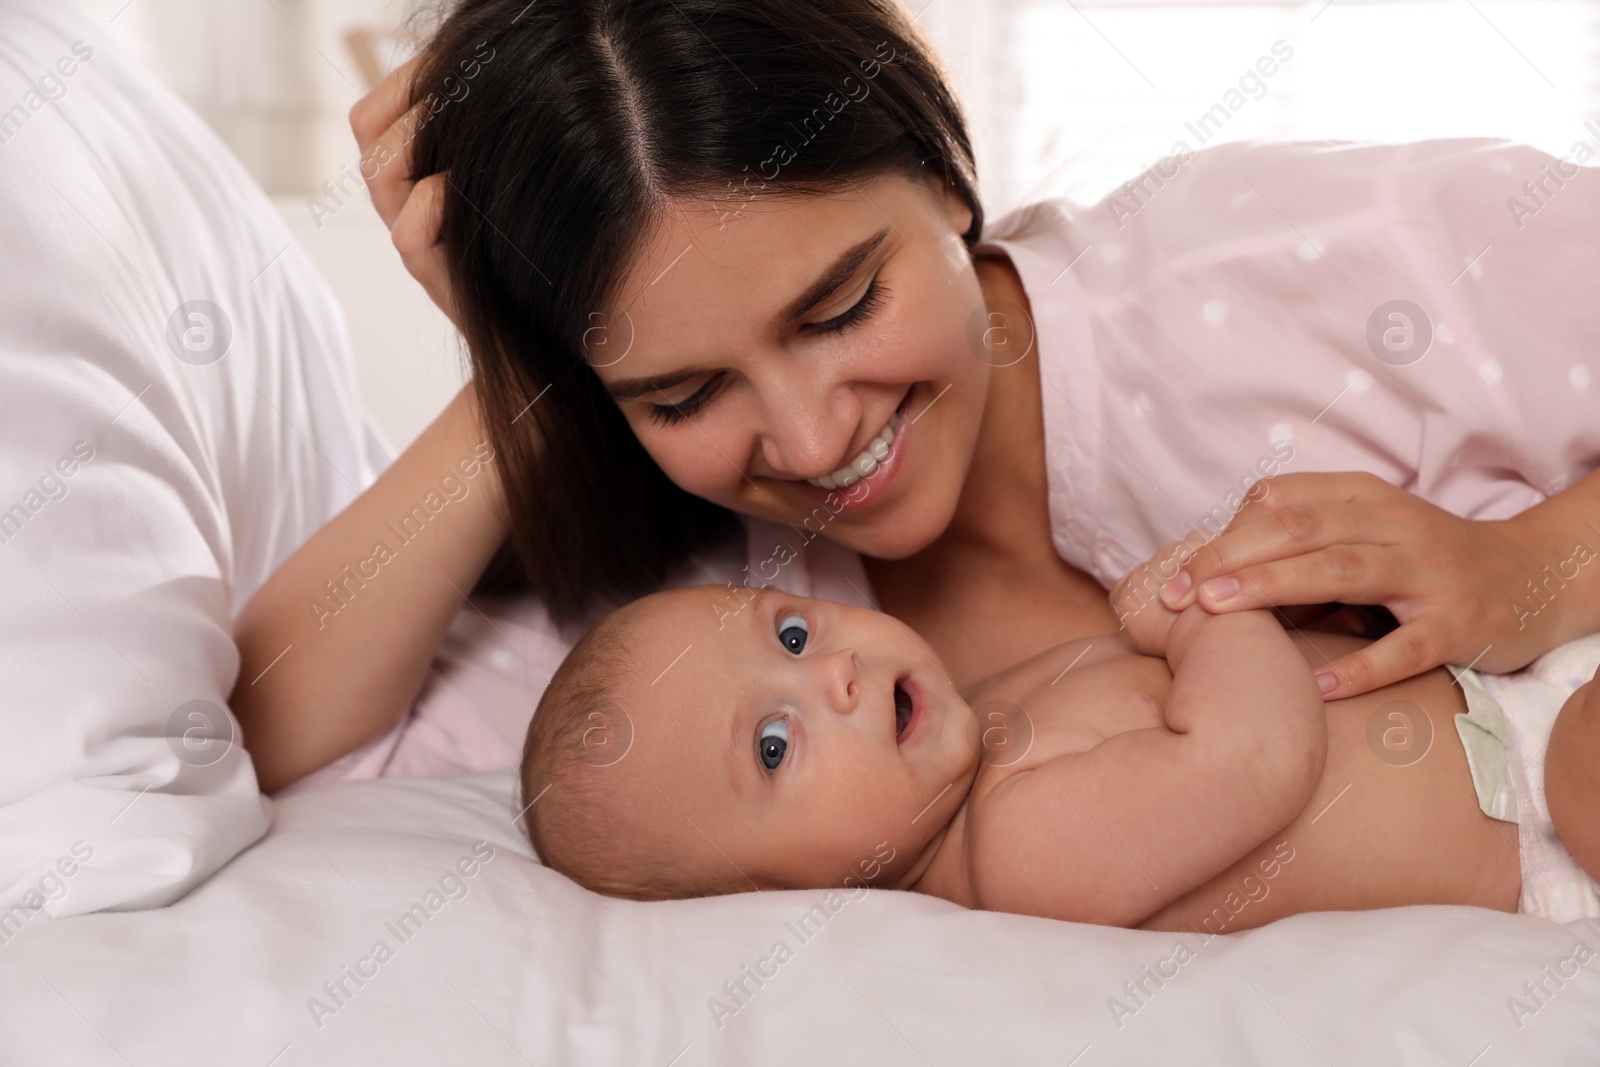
(1305, 489)
(1406, 652)
(1302, 487)
(383, 106)
(1294, 514)
(384, 124)
(386, 166)
(1328, 616)
(1284, 535)
(416, 237)
(1352, 573)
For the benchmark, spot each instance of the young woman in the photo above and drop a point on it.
(721, 257)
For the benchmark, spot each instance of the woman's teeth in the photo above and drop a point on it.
(876, 452)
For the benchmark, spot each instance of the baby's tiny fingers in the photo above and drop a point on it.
(1170, 568)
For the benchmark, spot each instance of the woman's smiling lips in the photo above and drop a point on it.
(874, 485)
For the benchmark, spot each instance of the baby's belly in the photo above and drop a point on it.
(1391, 823)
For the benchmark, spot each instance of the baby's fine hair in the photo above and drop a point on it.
(587, 799)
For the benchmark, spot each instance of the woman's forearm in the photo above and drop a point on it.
(337, 642)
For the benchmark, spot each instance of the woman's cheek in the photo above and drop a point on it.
(908, 332)
(690, 457)
(932, 332)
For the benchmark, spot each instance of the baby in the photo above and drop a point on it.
(682, 751)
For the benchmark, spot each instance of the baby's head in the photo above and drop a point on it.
(696, 742)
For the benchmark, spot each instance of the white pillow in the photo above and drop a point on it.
(178, 411)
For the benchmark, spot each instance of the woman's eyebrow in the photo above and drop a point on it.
(836, 275)
(840, 272)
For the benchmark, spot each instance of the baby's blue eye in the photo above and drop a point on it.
(772, 743)
(792, 632)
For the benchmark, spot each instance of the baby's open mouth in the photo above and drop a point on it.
(902, 711)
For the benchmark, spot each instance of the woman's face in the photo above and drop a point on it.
(762, 349)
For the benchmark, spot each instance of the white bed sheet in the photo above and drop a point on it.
(525, 967)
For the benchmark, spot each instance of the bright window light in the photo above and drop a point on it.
(1106, 89)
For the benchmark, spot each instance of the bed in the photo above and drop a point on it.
(275, 961)
(403, 920)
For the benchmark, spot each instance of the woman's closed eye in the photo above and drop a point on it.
(672, 414)
(870, 301)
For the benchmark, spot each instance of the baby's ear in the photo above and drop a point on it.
(600, 734)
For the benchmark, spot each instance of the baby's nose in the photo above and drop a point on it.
(843, 680)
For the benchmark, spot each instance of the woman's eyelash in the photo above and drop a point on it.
(871, 301)
(670, 414)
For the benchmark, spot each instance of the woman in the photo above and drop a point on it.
(706, 255)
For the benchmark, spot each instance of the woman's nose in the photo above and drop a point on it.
(808, 440)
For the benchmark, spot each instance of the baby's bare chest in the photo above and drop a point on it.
(1063, 704)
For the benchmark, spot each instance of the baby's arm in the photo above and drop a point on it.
(1113, 834)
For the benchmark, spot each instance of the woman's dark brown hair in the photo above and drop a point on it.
(564, 126)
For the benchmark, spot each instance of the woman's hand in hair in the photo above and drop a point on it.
(384, 129)
(1469, 592)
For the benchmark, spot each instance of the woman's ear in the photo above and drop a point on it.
(956, 208)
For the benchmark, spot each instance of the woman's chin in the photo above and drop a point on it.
(899, 532)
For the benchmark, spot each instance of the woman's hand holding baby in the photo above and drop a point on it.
(1459, 587)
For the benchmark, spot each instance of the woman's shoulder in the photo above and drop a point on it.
(1233, 194)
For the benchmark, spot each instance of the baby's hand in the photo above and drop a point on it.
(1137, 598)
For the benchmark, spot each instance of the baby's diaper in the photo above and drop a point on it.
(1505, 732)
